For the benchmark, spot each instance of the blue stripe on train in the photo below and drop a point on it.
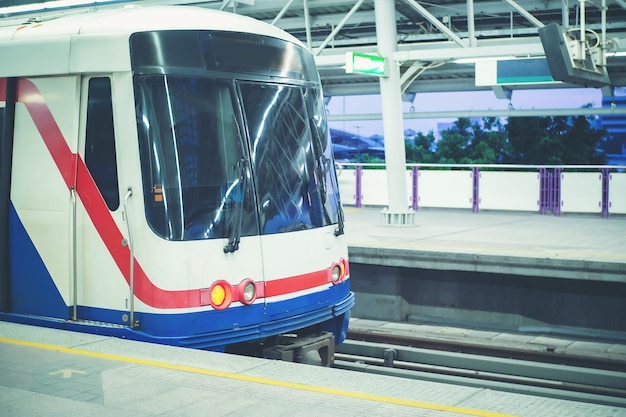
(35, 300)
(240, 322)
(32, 290)
(178, 328)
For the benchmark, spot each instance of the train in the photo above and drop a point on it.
(167, 175)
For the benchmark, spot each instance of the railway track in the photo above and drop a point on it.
(594, 380)
(544, 354)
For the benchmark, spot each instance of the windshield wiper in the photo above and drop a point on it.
(323, 166)
(339, 230)
(235, 233)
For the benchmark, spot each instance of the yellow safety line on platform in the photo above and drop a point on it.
(259, 380)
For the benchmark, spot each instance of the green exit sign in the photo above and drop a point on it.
(365, 64)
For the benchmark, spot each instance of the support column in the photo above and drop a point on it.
(397, 213)
(471, 30)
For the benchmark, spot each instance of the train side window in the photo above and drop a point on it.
(100, 156)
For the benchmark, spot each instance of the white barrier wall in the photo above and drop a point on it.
(581, 192)
(506, 189)
(617, 193)
(374, 191)
(449, 189)
(509, 190)
(347, 186)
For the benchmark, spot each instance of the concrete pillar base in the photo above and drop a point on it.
(397, 218)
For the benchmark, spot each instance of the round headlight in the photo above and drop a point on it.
(247, 291)
(336, 274)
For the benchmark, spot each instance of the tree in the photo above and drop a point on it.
(467, 142)
(453, 147)
(420, 149)
(365, 158)
(490, 144)
(551, 140)
(554, 140)
(581, 143)
(530, 141)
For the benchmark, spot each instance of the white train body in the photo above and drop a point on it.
(190, 141)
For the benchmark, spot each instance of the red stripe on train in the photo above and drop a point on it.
(3, 89)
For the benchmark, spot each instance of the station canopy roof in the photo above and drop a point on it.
(439, 41)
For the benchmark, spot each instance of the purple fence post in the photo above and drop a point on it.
(542, 191)
(414, 199)
(606, 177)
(557, 191)
(551, 191)
(475, 180)
(358, 197)
(550, 201)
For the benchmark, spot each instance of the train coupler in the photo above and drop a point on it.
(311, 349)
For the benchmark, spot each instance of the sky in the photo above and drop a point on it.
(480, 100)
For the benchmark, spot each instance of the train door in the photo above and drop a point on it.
(99, 292)
(45, 124)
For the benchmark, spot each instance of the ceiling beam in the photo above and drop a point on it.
(531, 47)
(338, 28)
(283, 11)
(511, 112)
(441, 51)
(532, 19)
(432, 19)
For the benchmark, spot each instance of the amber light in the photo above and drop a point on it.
(221, 295)
(345, 270)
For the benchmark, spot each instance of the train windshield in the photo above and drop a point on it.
(231, 156)
(193, 160)
(291, 157)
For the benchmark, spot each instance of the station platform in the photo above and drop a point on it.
(48, 372)
(583, 247)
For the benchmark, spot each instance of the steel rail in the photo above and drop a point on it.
(599, 386)
(539, 353)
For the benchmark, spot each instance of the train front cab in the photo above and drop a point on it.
(198, 229)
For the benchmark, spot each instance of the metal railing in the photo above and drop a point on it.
(546, 189)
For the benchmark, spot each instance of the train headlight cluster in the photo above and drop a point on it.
(339, 272)
(222, 293)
